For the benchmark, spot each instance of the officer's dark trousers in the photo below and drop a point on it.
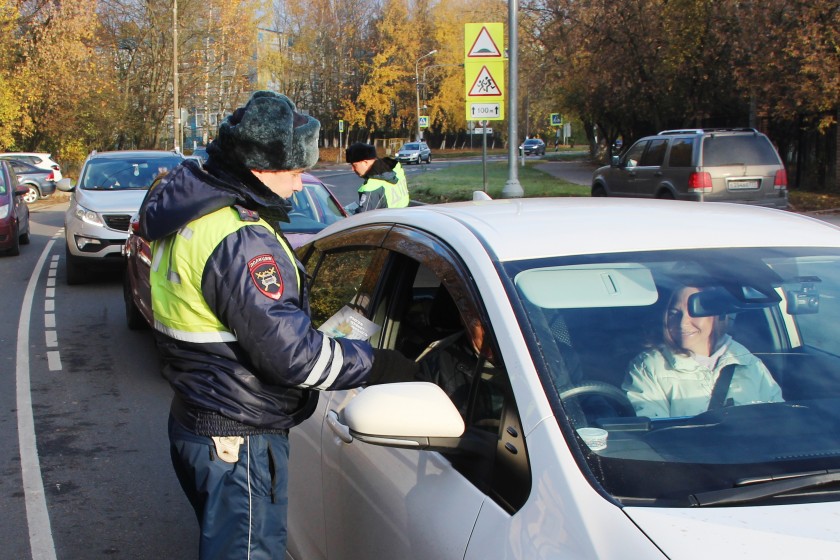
(241, 507)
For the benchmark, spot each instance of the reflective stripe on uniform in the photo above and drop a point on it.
(200, 337)
(332, 354)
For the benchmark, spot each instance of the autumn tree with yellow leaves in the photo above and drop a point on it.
(77, 75)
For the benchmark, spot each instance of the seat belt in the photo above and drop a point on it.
(721, 387)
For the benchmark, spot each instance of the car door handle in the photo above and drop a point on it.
(342, 431)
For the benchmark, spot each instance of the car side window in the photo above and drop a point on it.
(634, 154)
(655, 153)
(338, 281)
(681, 151)
(437, 318)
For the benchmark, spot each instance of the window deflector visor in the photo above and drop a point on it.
(588, 286)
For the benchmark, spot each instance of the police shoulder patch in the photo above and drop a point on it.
(266, 276)
(247, 215)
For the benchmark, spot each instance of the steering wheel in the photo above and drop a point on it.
(613, 394)
(298, 215)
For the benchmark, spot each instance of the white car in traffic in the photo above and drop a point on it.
(517, 439)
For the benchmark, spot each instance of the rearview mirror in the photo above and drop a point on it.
(717, 300)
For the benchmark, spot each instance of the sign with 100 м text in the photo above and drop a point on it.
(484, 71)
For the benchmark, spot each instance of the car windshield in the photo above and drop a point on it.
(133, 172)
(709, 370)
(531, 142)
(312, 209)
(411, 147)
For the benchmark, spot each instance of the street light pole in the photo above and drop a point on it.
(417, 88)
(512, 188)
(176, 110)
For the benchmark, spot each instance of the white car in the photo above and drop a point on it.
(41, 160)
(517, 439)
(111, 188)
(415, 152)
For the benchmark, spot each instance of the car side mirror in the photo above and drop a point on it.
(65, 185)
(614, 161)
(21, 190)
(352, 208)
(413, 415)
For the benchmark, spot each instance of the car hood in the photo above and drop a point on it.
(126, 201)
(780, 531)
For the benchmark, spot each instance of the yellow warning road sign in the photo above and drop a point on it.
(484, 71)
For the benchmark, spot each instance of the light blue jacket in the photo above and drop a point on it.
(662, 384)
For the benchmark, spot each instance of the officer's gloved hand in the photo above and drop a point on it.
(390, 366)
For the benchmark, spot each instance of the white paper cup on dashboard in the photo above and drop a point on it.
(595, 438)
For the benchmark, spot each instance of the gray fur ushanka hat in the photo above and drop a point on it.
(268, 134)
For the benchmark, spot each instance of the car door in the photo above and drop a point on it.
(648, 172)
(21, 207)
(622, 178)
(381, 502)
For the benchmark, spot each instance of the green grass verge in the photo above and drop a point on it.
(459, 181)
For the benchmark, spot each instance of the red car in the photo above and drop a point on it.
(14, 213)
(313, 209)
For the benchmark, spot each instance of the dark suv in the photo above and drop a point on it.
(712, 165)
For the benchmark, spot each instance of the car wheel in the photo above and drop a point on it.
(32, 194)
(429, 159)
(665, 195)
(24, 237)
(14, 250)
(598, 190)
(133, 318)
(74, 268)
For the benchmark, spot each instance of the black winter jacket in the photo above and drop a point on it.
(262, 382)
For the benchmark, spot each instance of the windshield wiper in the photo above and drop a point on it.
(753, 489)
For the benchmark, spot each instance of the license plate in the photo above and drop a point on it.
(743, 184)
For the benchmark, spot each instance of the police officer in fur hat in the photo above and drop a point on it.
(385, 185)
(233, 329)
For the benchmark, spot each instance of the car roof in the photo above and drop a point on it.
(120, 154)
(515, 229)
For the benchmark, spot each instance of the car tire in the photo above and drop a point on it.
(24, 237)
(74, 268)
(665, 195)
(598, 191)
(429, 159)
(14, 250)
(32, 195)
(133, 318)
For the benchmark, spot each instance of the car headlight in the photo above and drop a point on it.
(4, 211)
(88, 216)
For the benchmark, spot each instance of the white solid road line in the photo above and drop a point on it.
(41, 542)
